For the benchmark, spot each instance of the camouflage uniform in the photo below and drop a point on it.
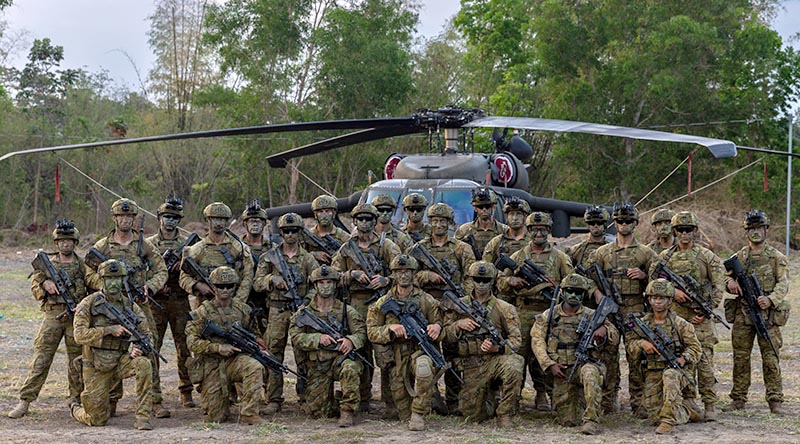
(580, 254)
(209, 256)
(338, 234)
(258, 300)
(504, 244)
(215, 372)
(482, 237)
(663, 216)
(323, 365)
(771, 269)
(410, 364)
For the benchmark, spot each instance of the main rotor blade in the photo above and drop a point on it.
(280, 160)
(718, 147)
(262, 129)
(767, 151)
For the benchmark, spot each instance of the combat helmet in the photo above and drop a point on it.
(112, 268)
(754, 219)
(253, 210)
(172, 205)
(574, 280)
(625, 210)
(595, 213)
(217, 209)
(290, 220)
(660, 287)
(684, 219)
(65, 229)
(415, 200)
(441, 209)
(404, 262)
(384, 200)
(364, 208)
(223, 275)
(324, 272)
(482, 269)
(662, 215)
(124, 206)
(516, 204)
(323, 202)
(483, 196)
(539, 218)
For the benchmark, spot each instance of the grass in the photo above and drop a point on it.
(270, 429)
(24, 311)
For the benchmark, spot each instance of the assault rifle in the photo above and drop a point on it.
(440, 267)
(249, 344)
(586, 330)
(291, 277)
(60, 277)
(416, 327)
(691, 287)
(609, 290)
(173, 256)
(332, 328)
(663, 343)
(473, 243)
(370, 266)
(95, 257)
(327, 243)
(529, 271)
(128, 319)
(751, 290)
(193, 269)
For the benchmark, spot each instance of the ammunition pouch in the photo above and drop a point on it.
(779, 315)
(384, 355)
(731, 306)
(196, 367)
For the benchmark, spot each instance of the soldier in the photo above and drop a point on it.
(146, 271)
(410, 364)
(108, 357)
(685, 257)
(596, 219)
(324, 208)
(770, 267)
(270, 279)
(172, 297)
(254, 219)
(663, 385)
(515, 236)
(626, 263)
(484, 227)
(363, 286)
(661, 222)
(531, 301)
(56, 320)
(325, 354)
(386, 206)
(554, 339)
(220, 247)
(414, 205)
(482, 361)
(216, 364)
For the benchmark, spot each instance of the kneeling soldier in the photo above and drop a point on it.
(215, 363)
(327, 331)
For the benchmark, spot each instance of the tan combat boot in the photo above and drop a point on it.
(416, 423)
(160, 412)
(112, 409)
(272, 408)
(142, 424)
(737, 404)
(664, 429)
(345, 418)
(251, 420)
(775, 407)
(711, 412)
(541, 402)
(187, 401)
(504, 421)
(590, 428)
(694, 411)
(20, 410)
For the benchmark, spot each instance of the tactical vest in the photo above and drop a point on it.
(616, 270)
(689, 263)
(164, 245)
(75, 272)
(231, 254)
(446, 254)
(105, 356)
(295, 263)
(563, 340)
(333, 318)
(129, 255)
(656, 361)
(510, 246)
(469, 344)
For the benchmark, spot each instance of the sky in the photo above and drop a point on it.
(112, 34)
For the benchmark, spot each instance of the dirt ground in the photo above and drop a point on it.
(49, 419)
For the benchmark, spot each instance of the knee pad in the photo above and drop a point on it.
(424, 367)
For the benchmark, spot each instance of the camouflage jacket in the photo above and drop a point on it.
(382, 252)
(76, 272)
(302, 264)
(771, 269)
(702, 265)
(502, 314)
(560, 346)
(378, 323)
(679, 330)
(210, 256)
(454, 254)
(150, 267)
(581, 253)
(164, 245)
(338, 234)
(307, 339)
(555, 264)
(615, 260)
(100, 348)
(482, 237)
(504, 244)
(224, 317)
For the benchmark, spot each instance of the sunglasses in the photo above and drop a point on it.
(225, 286)
(415, 209)
(684, 229)
(594, 223)
(385, 210)
(482, 280)
(171, 216)
(290, 230)
(625, 221)
(483, 206)
(365, 218)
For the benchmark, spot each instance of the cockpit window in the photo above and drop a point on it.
(461, 201)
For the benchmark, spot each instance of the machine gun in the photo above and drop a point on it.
(95, 257)
(128, 319)
(173, 256)
(291, 277)
(43, 264)
(529, 271)
(416, 327)
(332, 328)
(370, 266)
(751, 290)
(327, 243)
(249, 344)
(691, 287)
(586, 329)
(473, 243)
(660, 341)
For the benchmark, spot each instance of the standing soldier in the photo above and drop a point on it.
(515, 236)
(414, 205)
(484, 228)
(661, 222)
(555, 337)
(254, 219)
(686, 258)
(108, 357)
(386, 206)
(626, 263)
(218, 363)
(56, 317)
(363, 285)
(664, 385)
(172, 297)
(324, 208)
(326, 355)
(276, 282)
(146, 271)
(483, 361)
(596, 219)
(532, 301)
(770, 267)
(413, 401)
(219, 248)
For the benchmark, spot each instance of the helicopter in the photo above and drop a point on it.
(449, 175)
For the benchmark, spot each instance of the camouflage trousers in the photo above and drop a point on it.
(220, 374)
(94, 409)
(45, 345)
(662, 396)
(419, 369)
(276, 338)
(357, 301)
(742, 337)
(482, 371)
(635, 370)
(542, 380)
(320, 400)
(116, 391)
(175, 314)
(579, 401)
(703, 371)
